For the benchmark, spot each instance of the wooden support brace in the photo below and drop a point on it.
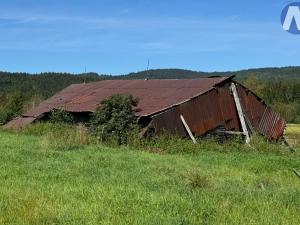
(240, 112)
(188, 129)
(296, 173)
(233, 132)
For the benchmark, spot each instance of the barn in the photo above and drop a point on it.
(186, 107)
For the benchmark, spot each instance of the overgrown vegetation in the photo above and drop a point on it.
(115, 118)
(64, 137)
(58, 136)
(96, 184)
(10, 106)
(61, 116)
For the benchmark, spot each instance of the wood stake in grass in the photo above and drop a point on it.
(296, 173)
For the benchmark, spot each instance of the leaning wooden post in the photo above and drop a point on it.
(240, 112)
(188, 129)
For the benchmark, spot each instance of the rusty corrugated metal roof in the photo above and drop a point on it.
(19, 122)
(154, 95)
(206, 104)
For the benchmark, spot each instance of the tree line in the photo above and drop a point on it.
(282, 95)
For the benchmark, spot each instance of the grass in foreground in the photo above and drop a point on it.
(102, 185)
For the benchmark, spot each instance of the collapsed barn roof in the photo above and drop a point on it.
(158, 96)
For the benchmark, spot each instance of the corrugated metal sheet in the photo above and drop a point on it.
(203, 114)
(19, 122)
(271, 124)
(154, 95)
(216, 108)
(262, 118)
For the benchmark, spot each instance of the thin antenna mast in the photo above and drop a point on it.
(147, 73)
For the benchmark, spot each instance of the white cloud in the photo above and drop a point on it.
(52, 32)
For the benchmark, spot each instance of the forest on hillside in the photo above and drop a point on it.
(279, 87)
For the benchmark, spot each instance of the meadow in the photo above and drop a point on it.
(43, 182)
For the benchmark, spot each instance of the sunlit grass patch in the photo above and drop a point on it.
(293, 129)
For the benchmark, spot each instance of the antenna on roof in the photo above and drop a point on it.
(147, 71)
(84, 73)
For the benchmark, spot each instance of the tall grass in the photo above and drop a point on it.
(167, 143)
(97, 184)
(59, 136)
(69, 137)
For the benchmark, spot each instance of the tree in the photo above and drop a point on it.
(11, 108)
(256, 85)
(287, 110)
(115, 118)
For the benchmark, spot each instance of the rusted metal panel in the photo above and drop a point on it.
(203, 114)
(252, 105)
(154, 95)
(19, 122)
(263, 119)
(271, 124)
(217, 108)
(169, 121)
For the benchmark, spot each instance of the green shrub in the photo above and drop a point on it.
(114, 120)
(61, 116)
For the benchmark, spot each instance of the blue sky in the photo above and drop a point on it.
(117, 36)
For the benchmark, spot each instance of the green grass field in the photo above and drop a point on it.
(104, 185)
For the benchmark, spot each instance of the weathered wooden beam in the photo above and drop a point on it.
(240, 112)
(233, 132)
(188, 129)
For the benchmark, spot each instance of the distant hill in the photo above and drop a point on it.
(263, 73)
(47, 84)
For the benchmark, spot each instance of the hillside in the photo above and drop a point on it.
(46, 84)
(262, 73)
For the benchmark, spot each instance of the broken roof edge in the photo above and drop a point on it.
(226, 79)
(222, 80)
(26, 115)
(252, 92)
